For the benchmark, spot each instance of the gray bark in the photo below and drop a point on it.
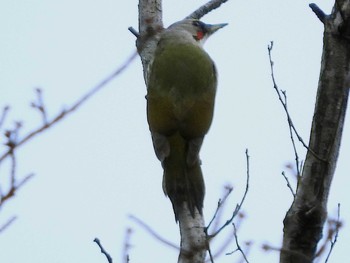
(150, 25)
(193, 239)
(304, 221)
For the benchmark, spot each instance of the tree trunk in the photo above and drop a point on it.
(193, 244)
(304, 221)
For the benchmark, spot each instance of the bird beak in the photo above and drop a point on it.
(211, 29)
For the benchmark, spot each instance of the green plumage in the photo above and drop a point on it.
(180, 103)
(181, 91)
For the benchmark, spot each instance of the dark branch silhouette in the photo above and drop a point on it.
(70, 109)
(238, 206)
(14, 140)
(103, 251)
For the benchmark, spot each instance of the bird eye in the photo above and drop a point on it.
(200, 25)
(196, 23)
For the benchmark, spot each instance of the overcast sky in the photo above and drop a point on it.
(97, 166)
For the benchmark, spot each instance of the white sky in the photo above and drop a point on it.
(97, 166)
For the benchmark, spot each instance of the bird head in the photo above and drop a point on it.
(199, 30)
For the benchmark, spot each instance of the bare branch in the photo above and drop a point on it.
(127, 245)
(211, 257)
(24, 181)
(103, 251)
(318, 12)
(290, 122)
(39, 105)
(134, 31)
(7, 224)
(13, 170)
(304, 221)
(290, 125)
(237, 243)
(13, 189)
(216, 218)
(72, 108)
(334, 231)
(223, 247)
(238, 206)
(3, 115)
(288, 184)
(193, 238)
(153, 233)
(221, 202)
(12, 136)
(150, 25)
(205, 9)
(12, 142)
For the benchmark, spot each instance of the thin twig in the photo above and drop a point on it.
(13, 170)
(205, 9)
(127, 245)
(12, 137)
(24, 180)
(153, 233)
(74, 107)
(336, 232)
(219, 251)
(247, 243)
(8, 223)
(221, 202)
(288, 184)
(290, 125)
(224, 244)
(290, 122)
(211, 257)
(237, 243)
(269, 48)
(238, 206)
(216, 218)
(39, 105)
(5, 110)
(103, 251)
(11, 192)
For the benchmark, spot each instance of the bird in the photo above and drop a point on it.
(181, 89)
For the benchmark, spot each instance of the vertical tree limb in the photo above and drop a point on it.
(150, 25)
(193, 246)
(304, 221)
(193, 237)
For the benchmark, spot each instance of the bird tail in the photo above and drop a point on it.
(182, 182)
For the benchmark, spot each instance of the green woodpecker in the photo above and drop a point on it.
(180, 102)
